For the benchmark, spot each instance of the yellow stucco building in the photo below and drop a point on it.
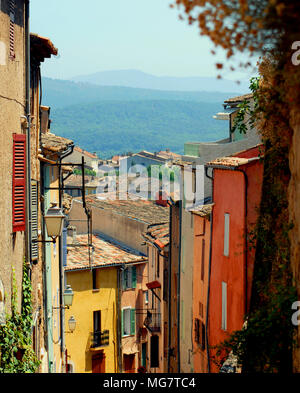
(93, 347)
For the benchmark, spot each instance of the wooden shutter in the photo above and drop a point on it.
(122, 322)
(202, 259)
(133, 276)
(34, 221)
(132, 321)
(12, 29)
(19, 182)
(196, 329)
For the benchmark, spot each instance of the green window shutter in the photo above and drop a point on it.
(132, 321)
(34, 221)
(122, 322)
(133, 276)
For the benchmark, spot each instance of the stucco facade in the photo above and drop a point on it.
(12, 102)
(86, 301)
(236, 197)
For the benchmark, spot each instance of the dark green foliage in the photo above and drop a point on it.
(16, 353)
(116, 127)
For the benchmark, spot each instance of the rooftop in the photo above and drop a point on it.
(84, 152)
(105, 254)
(230, 162)
(54, 143)
(41, 47)
(239, 98)
(202, 210)
(134, 207)
(158, 234)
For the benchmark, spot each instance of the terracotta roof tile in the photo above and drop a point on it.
(105, 254)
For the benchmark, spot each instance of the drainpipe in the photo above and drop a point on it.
(246, 238)
(178, 287)
(60, 255)
(169, 288)
(209, 270)
(119, 333)
(28, 144)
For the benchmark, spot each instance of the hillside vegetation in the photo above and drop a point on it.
(113, 120)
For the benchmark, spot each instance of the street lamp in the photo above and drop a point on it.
(54, 221)
(68, 296)
(72, 324)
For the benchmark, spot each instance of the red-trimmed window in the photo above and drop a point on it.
(19, 182)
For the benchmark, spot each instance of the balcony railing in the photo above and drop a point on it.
(100, 339)
(153, 321)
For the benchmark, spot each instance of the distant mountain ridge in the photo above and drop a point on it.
(142, 80)
(114, 119)
(59, 93)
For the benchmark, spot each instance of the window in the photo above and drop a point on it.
(202, 259)
(226, 234)
(97, 321)
(146, 296)
(224, 306)
(128, 321)
(94, 279)
(154, 353)
(129, 278)
(12, 29)
(157, 264)
(18, 183)
(199, 329)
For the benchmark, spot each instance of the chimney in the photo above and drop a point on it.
(72, 233)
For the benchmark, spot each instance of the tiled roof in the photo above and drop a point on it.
(230, 162)
(134, 207)
(41, 47)
(158, 234)
(54, 142)
(105, 254)
(84, 152)
(239, 98)
(202, 210)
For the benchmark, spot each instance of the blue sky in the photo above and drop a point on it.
(100, 35)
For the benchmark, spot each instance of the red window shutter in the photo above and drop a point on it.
(19, 182)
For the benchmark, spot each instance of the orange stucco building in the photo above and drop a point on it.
(202, 231)
(237, 182)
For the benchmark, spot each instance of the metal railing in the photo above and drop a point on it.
(99, 339)
(153, 321)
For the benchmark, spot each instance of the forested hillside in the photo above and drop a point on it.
(112, 120)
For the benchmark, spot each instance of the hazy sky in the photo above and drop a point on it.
(100, 35)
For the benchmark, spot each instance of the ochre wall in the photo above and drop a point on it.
(86, 300)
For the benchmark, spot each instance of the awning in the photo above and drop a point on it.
(153, 285)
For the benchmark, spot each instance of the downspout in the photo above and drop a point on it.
(119, 336)
(28, 126)
(60, 255)
(178, 287)
(169, 288)
(246, 238)
(208, 283)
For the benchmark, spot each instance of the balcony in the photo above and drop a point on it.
(153, 321)
(99, 339)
